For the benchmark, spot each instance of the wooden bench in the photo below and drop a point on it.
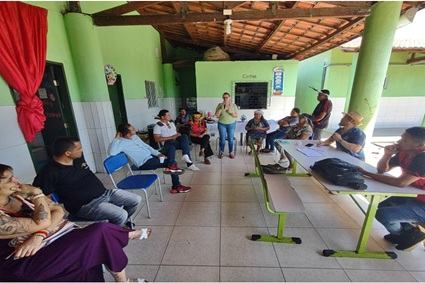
(281, 199)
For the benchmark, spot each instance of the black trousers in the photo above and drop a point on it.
(205, 144)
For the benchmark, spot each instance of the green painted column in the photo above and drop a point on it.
(87, 57)
(423, 122)
(374, 56)
(350, 83)
(168, 77)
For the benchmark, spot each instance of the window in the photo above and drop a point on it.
(151, 94)
(251, 95)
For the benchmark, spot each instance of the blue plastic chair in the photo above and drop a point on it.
(134, 168)
(132, 182)
(70, 217)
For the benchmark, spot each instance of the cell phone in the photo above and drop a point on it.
(309, 145)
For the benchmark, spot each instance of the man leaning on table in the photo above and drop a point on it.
(349, 138)
(397, 213)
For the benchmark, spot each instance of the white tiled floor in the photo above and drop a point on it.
(205, 235)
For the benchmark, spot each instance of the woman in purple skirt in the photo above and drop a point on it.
(27, 217)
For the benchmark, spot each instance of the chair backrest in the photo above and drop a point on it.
(112, 163)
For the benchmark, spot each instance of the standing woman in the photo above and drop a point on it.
(199, 135)
(227, 112)
(257, 130)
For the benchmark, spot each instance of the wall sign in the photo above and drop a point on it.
(278, 81)
(111, 74)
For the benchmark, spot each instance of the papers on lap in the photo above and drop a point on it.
(309, 152)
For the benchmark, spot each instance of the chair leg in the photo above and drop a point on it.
(160, 191)
(147, 203)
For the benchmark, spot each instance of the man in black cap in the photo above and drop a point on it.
(321, 113)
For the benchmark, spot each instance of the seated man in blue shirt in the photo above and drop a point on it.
(144, 156)
(349, 138)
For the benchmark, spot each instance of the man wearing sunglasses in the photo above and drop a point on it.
(165, 133)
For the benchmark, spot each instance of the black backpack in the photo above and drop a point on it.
(340, 173)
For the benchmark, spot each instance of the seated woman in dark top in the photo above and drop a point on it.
(257, 129)
(198, 135)
(28, 220)
(182, 122)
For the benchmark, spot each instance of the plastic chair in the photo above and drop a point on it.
(137, 169)
(132, 182)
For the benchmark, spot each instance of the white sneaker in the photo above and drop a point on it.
(186, 158)
(193, 168)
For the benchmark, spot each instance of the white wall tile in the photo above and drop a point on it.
(20, 159)
(11, 132)
(85, 141)
(79, 115)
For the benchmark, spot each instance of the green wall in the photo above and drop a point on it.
(131, 50)
(58, 50)
(310, 74)
(215, 78)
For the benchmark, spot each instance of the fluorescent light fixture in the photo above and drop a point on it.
(227, 12)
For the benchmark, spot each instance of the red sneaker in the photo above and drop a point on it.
(183, 189)
(173, 168)
(174, 191)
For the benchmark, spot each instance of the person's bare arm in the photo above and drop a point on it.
(384, 163)
(350, 146)
(158, 138)
(402, 181)
(329, 141)
(12, 227)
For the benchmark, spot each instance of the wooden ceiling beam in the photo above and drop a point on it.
(181, 7)
(328, 38)
(349, 3)
(126, 8)
(225, 4)
(236, 16)
(74, 6)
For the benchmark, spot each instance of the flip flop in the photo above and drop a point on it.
(144, 234)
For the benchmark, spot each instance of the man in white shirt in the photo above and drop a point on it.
(144, 156)
(165, 132)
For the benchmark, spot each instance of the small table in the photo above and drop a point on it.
(375, 189)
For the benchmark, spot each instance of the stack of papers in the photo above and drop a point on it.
(310, 152)
(322, 148)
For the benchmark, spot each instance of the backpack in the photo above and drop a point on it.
(340, 173)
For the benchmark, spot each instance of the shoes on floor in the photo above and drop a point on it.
(180, 189)
(393, 238)
(265, 150)
(411, 239)
(231, 156)
(193, 167)
(284, 162)
(207, 161)
(186, 158)
(220, 155)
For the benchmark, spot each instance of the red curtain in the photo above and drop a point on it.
(23, 46)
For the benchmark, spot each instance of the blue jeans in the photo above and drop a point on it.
(271, 137)
(153, 163)
(107, 207)
(230, 130)
(395, 213)
(182, 143)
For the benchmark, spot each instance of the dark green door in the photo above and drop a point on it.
(116, 95)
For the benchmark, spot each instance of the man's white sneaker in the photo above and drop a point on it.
(284, 162)
(193, 168)
(186, 158)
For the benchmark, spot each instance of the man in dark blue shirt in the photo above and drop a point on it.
(349, 138)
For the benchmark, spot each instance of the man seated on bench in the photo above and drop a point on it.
(165, 132)
(145, 157)
(396, 213)
(349, 138)
(285, 124)
(81, 192)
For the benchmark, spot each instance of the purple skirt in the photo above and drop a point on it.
(77, 256)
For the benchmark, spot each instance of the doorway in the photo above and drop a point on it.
(60, 121)
(116, 95)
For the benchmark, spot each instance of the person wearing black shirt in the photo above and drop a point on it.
(81, 192)
(321, 113)
(396, 213)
